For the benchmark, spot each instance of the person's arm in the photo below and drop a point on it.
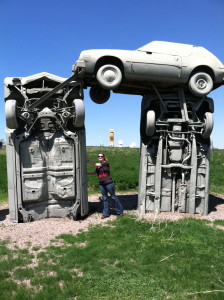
(91, 173)
(93, 163)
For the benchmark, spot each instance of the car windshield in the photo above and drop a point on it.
(146, 47)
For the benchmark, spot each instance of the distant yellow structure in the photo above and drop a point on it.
(111, 138)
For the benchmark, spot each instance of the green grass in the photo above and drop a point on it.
(128, 259)
(3, 197)
(3, 176)
(217, 172)
(3, 150)
(219, 222)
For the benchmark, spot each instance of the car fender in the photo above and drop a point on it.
(203, 60)
(124, 56)
(92, 57)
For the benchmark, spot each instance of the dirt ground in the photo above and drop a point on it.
(40, 233)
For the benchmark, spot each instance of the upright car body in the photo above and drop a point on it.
(163, 64)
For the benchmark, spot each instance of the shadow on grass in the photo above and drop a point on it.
(129, 202)
(214, 201)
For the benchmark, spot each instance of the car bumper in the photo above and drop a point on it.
(80, 65)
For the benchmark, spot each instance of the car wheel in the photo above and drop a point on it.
(201, 84)
(208, 125)
(79, 113)
(99, 95)
(150, 122)
(109, 76)
(11, 114)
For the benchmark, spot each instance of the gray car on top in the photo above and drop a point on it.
(163, 64)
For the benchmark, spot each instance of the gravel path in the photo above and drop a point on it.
(40, 233)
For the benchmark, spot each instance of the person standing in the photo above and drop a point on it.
(106, 185)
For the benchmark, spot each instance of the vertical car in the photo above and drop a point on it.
(46, 148)
(175, 152)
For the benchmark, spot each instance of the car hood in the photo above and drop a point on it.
(95, 53)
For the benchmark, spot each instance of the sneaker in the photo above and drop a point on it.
(120, 215)
(104, 217)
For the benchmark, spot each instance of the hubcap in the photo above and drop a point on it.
(201, 84)
(109, 76)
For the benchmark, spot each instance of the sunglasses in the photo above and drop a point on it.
(100, 155)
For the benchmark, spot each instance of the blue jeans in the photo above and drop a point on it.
(109, 188)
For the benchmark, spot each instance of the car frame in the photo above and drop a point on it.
(176, 148)
(163, 64)
(45, 147)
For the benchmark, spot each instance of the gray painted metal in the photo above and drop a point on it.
(174, 164)
(46, 152)
(165, 64)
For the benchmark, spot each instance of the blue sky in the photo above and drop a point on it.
(48, 36)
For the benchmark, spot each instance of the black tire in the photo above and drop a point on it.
(75, 217)
(99, 95)
(109, 77)
(79, 112)
(208, 125)
(201, 84)
(150, 122)
(11, 114)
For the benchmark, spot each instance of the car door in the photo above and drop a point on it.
(156, 65)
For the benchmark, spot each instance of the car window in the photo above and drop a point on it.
(167, 48)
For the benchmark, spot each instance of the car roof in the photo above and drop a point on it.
(168, 48)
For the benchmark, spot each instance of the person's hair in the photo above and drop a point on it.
(104, 157)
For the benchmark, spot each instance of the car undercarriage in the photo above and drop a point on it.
(46, 149)
(175, 152)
